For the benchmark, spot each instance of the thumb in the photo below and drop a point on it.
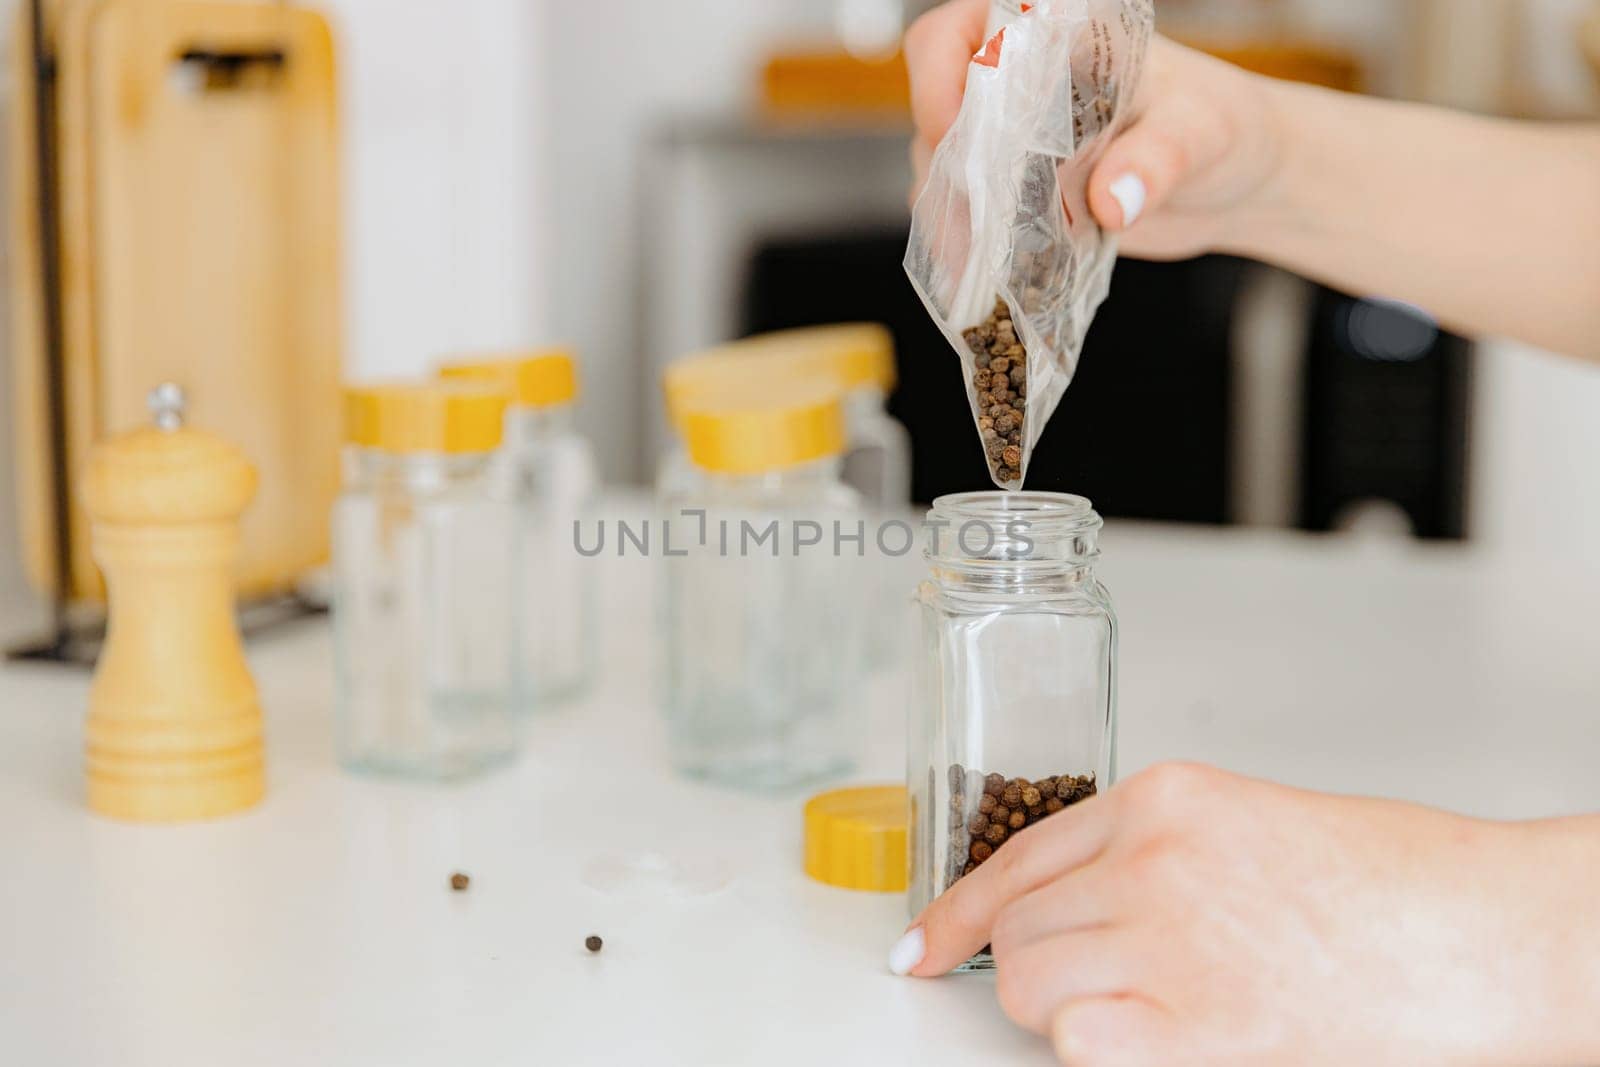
(1146, 165)
(1115, 1032)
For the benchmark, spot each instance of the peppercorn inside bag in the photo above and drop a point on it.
(1004, 251)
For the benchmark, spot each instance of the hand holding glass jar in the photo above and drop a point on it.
(1013, 718)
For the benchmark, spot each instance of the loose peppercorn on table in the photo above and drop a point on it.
(321, 928)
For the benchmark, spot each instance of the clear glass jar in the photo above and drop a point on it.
(553, 481)
(1014, 709)
(762, 608)
(547, 471)
(877, 461)
(877, 465)
(422, 606)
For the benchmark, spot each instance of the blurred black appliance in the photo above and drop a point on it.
(1387, 404)
(1144, 430)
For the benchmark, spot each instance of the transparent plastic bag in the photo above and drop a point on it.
(1004, 251)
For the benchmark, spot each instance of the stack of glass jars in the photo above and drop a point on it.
(1013, 710)
(858, 357)
(547, 471)
(762, 608)
(422, 612)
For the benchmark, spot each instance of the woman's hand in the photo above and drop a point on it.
(1491, 226)
(1189, 916)
(1202, 147)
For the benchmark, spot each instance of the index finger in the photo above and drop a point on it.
(939, 46)
(958, 924)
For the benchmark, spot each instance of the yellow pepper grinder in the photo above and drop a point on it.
(174, 731)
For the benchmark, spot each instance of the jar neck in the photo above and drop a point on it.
(528, 424)
(1013, 541)
(412, 472)
(866, 402)
(820, 475)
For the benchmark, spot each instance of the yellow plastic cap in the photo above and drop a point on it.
(860, 354)
(760, 428)
(720, 370)
(447, 417)
(855, 355)
(856, 838)
(542, 379)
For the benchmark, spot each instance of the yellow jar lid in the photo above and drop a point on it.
(544, 378)
(854, 355)
(446, 417)
(757, 428)
(713, 371)
(860, 354)
(856, 838)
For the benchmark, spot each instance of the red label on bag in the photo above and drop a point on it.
(990, 56)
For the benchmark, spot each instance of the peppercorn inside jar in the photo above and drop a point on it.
(1013, 715)
(547, 470)
(422, 612)
(762, 603)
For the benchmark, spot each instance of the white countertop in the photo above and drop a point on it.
(319, 929)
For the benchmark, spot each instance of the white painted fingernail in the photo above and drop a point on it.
(1131, 194)
(908, 952)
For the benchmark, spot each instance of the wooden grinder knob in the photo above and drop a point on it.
(174, 730)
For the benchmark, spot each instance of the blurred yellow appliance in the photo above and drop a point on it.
(175, 218)
(829, 84)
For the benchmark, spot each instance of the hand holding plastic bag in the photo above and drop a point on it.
(1004, 250)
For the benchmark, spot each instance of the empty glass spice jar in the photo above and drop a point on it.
(762, 604)
(422, 563)
(547, 470)
(1013, 713)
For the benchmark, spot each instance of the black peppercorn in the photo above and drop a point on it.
(975, 838)
(999, 386)
(593, 943)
